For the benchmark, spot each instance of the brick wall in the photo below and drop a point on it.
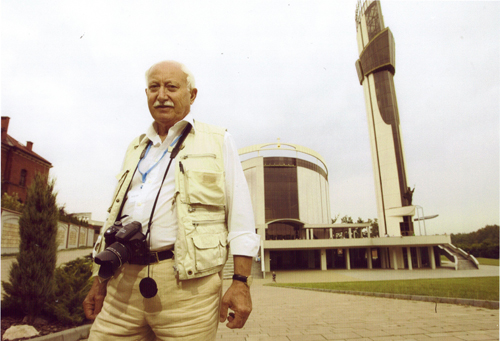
(18, 162)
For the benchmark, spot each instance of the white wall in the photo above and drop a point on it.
(313, 198)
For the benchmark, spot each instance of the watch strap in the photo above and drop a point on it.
(240, 278)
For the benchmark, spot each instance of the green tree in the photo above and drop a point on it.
(374, 228)
(346, 220)
(31, 278)
(481, 243)
(335, 219)
(12, 202)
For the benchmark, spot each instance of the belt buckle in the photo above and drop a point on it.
(155, 255)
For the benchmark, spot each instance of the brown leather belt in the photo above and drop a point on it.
(152, 257)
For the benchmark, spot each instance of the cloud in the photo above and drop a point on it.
(73, 83)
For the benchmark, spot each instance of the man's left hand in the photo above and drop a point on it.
(236, 298)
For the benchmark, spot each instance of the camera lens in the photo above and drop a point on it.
(111, 259)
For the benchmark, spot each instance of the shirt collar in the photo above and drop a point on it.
(173, 132)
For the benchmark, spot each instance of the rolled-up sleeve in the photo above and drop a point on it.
(242, 238)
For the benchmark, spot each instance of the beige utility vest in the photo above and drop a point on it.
(201, 245)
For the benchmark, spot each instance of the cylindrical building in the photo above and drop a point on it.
(290, 197)
(289, 188)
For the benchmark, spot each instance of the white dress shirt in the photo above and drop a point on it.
(140, 199)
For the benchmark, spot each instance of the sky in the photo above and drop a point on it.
(72, 82)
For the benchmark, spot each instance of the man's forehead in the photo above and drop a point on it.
(167, 71)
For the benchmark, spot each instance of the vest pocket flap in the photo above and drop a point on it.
(208, 251)
(223, 241)
(206, 241)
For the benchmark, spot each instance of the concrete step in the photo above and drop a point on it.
(462, 262)
(228, 271)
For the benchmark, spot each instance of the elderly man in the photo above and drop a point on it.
(181, 199)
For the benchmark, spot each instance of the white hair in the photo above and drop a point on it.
(189, 76)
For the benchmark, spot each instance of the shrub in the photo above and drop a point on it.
(73, 281)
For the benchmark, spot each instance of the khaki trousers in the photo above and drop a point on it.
(181, 310)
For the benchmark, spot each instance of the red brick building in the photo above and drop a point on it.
(19, 164)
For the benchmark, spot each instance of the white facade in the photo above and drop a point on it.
(314, 198)
(295, 222)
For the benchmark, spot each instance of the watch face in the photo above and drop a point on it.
(249, 280)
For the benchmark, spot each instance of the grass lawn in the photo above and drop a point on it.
(479, 288)
(487, 261)
(482, 261)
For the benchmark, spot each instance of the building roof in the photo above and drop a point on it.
(13, 143)
(280, 146)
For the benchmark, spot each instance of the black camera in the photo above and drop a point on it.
(122, 242)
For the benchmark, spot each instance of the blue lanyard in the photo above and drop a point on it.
(169, 149)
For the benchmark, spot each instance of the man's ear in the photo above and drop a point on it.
(194, 92)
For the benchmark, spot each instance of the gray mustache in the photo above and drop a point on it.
(166, 103)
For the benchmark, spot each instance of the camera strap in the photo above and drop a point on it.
(173, 154)
(145, 174)
(147, 286)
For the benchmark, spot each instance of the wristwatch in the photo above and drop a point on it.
(247, 280)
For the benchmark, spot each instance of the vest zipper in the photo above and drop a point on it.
(184, 157)
(203, 222)
(186, 184)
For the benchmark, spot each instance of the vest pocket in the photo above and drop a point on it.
(204, 187)
(210, 250)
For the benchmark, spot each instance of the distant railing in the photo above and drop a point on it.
(327, 232)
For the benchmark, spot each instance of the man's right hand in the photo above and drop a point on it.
(92, 304)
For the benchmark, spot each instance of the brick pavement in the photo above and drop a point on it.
(282, 314)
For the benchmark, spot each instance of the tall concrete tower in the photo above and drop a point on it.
(376, 67)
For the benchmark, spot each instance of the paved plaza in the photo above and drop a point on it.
(283, 314)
